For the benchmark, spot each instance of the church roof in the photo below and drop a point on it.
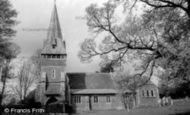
(150, 83)
(91, 83)
(94, 91)
(54, 43)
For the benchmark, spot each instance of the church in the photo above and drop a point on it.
(83, 91)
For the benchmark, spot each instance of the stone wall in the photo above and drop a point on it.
(105, 102)
(148, 95)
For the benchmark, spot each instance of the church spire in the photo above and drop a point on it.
(54, 43)
(54, 30)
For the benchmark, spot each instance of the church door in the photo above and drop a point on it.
(51, 100)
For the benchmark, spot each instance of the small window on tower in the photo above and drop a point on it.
(95, 99)
(54, 74)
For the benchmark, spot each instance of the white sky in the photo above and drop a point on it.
(35, 14)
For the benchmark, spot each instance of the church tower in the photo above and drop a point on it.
(51, 87)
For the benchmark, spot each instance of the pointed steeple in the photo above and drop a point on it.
(54, 30)
(54, 43)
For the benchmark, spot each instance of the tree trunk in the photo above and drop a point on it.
(3, 90)
(4, 79)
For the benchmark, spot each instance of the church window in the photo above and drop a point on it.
(152, 93)
(108, 99)
(54, 74)
(147, 92)
(77, 99)
(95, 99)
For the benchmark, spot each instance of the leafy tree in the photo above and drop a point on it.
(170, 21)
(183, 5)
(174, 20)
(158, 37)
(107, 68)
(8, 50)
(7, 21)
(121, 42)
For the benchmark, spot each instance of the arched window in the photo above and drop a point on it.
(147, 92)
(152, 93)
(54, 74)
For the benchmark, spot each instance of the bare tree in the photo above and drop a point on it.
(26, 80)
(35, 60)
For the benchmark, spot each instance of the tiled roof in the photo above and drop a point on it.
(91, 83)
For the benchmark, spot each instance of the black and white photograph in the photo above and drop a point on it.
(95, 57)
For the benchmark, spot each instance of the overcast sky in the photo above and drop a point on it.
(34, 17)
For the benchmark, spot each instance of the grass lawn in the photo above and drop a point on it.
(180, 107)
